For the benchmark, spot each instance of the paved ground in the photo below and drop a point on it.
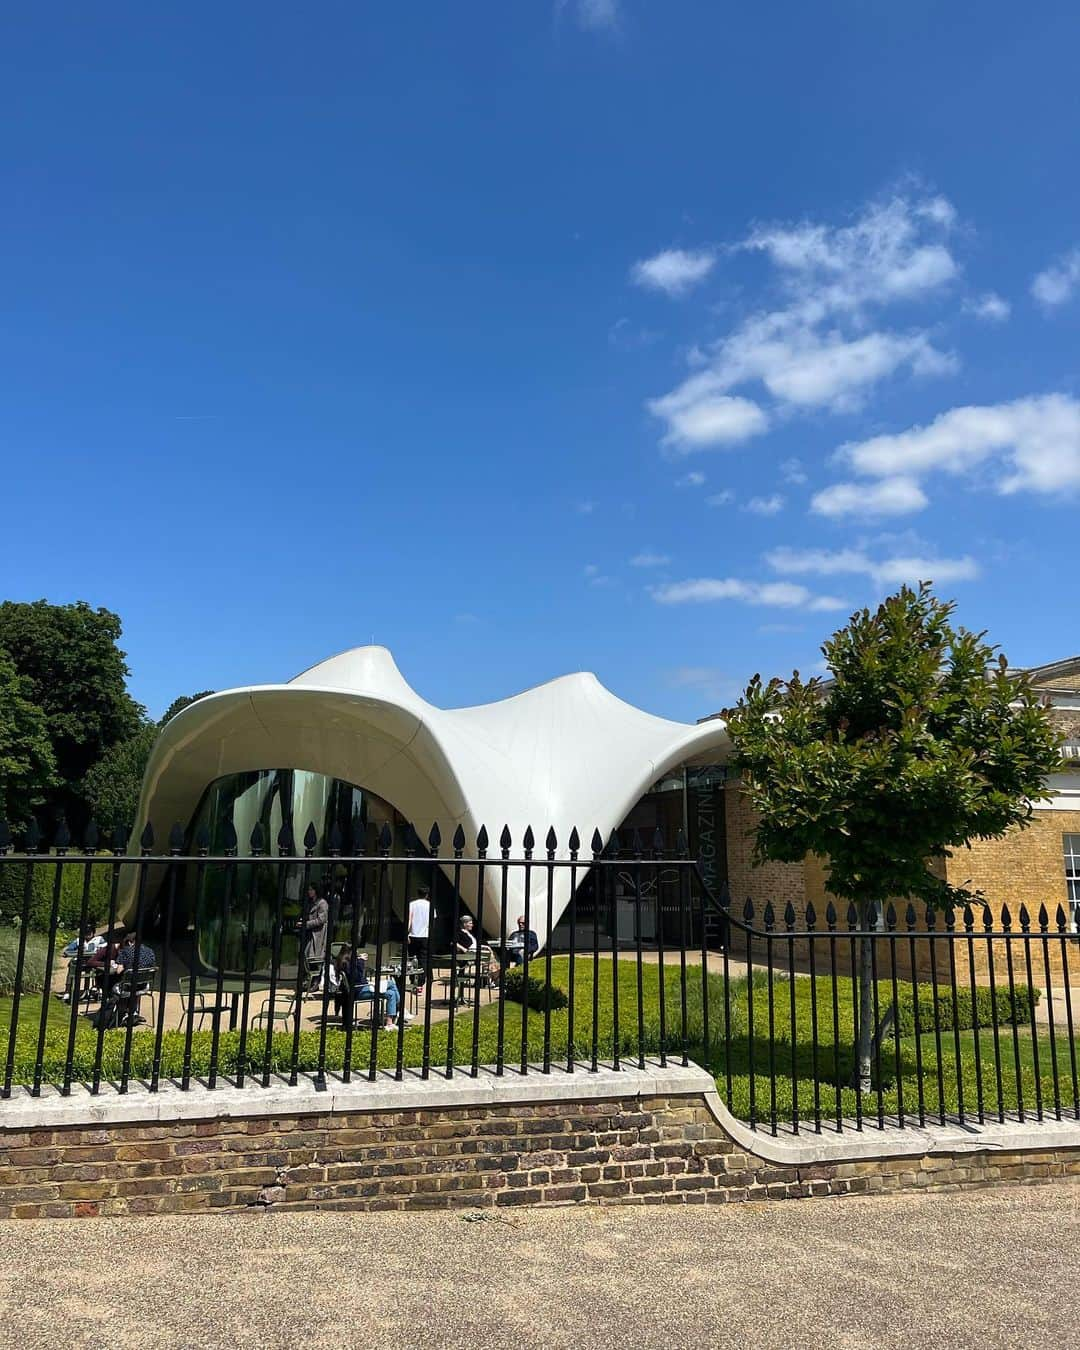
(990, 1268)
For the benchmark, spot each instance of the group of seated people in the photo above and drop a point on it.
(521, 943)
(119, 964)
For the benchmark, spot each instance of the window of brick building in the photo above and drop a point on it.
(1071, 843)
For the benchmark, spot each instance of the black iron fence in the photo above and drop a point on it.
(968, 1017)
(192, 966)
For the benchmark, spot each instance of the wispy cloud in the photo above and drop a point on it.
(647, 559)
(594, 575)
(884, 571)
(594, 15)
(584, 508)
(707, 680)
(692, 479)
(898, 496)
(722, 498)
(675, 271)
(765, 506)
(818, 348)
(782, 594)
(1055, 285)
(627, 336)
(792, 471)
(990, 307)
(1031, 444)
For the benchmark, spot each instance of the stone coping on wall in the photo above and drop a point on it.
(81, 1109)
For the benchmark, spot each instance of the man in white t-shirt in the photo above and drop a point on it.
(419, 930)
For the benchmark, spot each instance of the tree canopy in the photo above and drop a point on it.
(921, 741)
(74, 672)
(27, 765)
(112, 785)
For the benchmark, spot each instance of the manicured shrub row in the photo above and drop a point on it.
(999, 1008)
(72, 881)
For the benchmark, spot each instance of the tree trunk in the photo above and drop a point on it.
(860, 1076)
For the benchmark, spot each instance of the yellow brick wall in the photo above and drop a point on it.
(778, 882)
(1025, 867)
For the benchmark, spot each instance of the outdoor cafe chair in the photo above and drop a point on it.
(283, 1008)
(132, 987)
(194, 1001)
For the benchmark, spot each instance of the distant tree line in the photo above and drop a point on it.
(74, 744)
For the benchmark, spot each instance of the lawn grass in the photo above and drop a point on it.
(761, 1079)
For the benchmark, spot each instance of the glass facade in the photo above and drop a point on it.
(218, 908)
(688, 799)
(221, 908)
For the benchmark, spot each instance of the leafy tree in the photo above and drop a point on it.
(179, 704)
(76, 674)
(113, 784)
(922, 741)
(27, 766)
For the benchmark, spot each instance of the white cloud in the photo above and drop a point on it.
(698, 415)
(722, 498)
(647, 559)
(628, 336)
(675, 271)
(990, 306)
(782, 594)
(594, 576)
(885, 571)
(1056, 285)
(807, 368)
(707, 680)
(1032, 444)
(792, 471)
(597, 14)
(820, 349)
(691, 479)
(893, 571)
(765, 506)
(881, 257)
(584, 508)
(897, 496)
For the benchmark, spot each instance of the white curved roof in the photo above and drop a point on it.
(563, 754)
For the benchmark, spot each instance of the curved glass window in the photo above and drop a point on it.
(225, 904)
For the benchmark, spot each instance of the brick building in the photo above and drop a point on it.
(1039, 865)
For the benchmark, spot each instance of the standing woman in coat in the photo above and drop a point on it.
(314, 924)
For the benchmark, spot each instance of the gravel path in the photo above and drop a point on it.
(987, 1268)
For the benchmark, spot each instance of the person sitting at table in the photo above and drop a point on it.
(135, 961)
(353, 983)
(466, 938)
(89, 943)
(523, 942)
(101, 961)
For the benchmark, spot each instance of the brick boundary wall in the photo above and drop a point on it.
(617, 1150)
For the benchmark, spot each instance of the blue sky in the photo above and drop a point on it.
(646, 338)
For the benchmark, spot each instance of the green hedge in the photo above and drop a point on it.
(1002, 1009)
(33, 975)
(539, 994)
(72, 879)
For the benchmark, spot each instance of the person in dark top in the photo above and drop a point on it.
(353, 983)
(522, 942)
(134, 960)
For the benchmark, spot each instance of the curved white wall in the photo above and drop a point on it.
(566, 753)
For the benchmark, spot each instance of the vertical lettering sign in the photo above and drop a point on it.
(705, 819)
